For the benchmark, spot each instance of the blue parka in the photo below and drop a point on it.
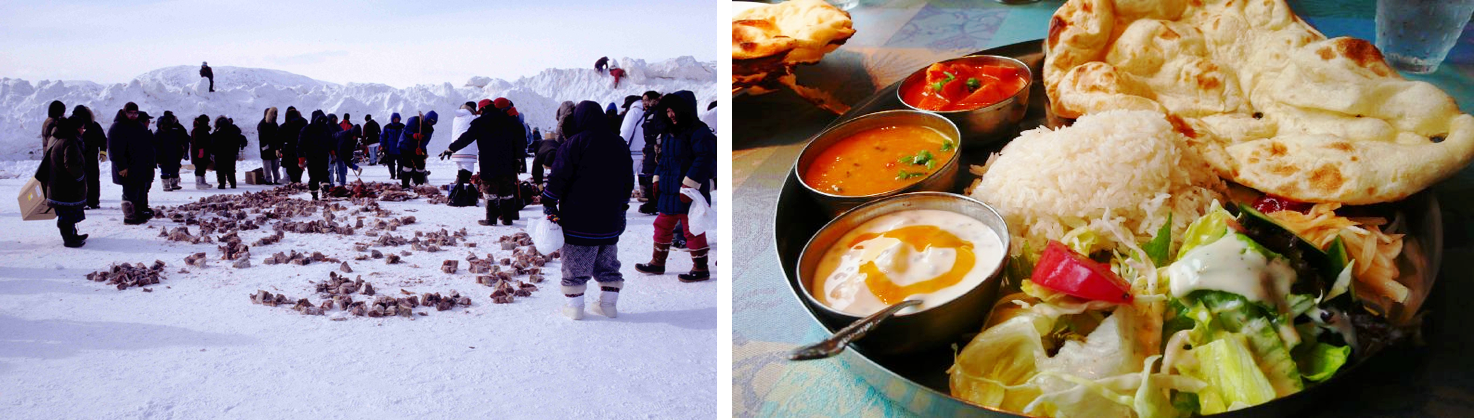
(689, 151)
(591, 180)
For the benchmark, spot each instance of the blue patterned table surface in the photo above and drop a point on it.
(892, 38)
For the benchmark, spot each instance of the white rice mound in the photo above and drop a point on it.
(1130, 163)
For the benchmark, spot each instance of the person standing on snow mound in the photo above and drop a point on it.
(371, 139)
(63, 176)
(687, 159)
(199, 150)
(601, 64)
(497, 136)
(207, 73)
(316, 145)
(618, 73)
(131, 150)
(412, 144)
(389, 142)
(588, 195)
(290, 134)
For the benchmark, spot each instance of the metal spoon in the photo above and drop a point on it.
(836, 343)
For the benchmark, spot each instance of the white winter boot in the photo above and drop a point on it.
(605, 305)
(574, 309)
(199, 183)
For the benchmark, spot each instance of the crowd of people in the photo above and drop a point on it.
(584, 170)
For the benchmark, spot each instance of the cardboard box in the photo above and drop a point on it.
(33, 202)
(255, 177)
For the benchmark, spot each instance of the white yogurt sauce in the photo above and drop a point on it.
(1229, 265)
(842, 286)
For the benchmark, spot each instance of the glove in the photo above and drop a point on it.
(301, 162)
(445, 154)
(123, 173)
(685, 198)
(417, 136)
(102, 156)
(420, 151)
(655, 187)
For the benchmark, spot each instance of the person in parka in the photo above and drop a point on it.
(170, 147)
(131, 149)
(653, 128)
(200, 150)
(316, 147)
(389, 141)
(288, 133)
(371, 131)
(344, 143)
(269, 141)
(55, 112)
(687, 158)
(588, 196)
(412, 144)
(227, 142)
(94, 144)
(63, 176)
(632, 130)
(498, 136)
(206, 72)
(547, 150)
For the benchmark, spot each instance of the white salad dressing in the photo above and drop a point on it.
(842, 287)
(1229, 265)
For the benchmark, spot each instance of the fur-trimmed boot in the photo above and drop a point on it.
(199, 183)
(657, 260)
(608, 298)
(574, 309)
(699, 272)
(491, 212)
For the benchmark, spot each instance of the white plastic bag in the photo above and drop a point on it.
(546, 235)
(702, 217)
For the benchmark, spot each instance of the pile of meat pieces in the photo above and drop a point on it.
(298, 258)
(337, 293)
(505, 291)
(125, 275)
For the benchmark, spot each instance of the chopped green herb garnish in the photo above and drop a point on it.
(908, 175)
(920, 158)
(931, 164)
(948, 145)
(937, 86)
(973, 84)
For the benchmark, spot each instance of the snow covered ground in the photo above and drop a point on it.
(196, 347)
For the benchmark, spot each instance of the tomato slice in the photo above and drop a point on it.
(1062, 270)
(1272, 203)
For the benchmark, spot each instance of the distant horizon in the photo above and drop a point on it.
(377, 41)
(453, 82)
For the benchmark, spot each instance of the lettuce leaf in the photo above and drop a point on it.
(1227, 365)
(995, 369)
(1160, 247)
(1206, 229)
(1320, 361)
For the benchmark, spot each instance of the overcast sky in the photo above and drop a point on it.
(399, 43)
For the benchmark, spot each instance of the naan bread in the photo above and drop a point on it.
(1266, 99)
(805, 30)
(769, 41)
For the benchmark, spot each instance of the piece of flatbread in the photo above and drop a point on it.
(1266, 99)
(804, 30)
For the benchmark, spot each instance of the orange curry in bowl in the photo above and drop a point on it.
(960, 86)
(879, 160)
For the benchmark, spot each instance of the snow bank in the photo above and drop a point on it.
(244, 93)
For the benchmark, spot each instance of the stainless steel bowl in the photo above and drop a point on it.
(989, 121)
(941, 180)
(928, 328)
